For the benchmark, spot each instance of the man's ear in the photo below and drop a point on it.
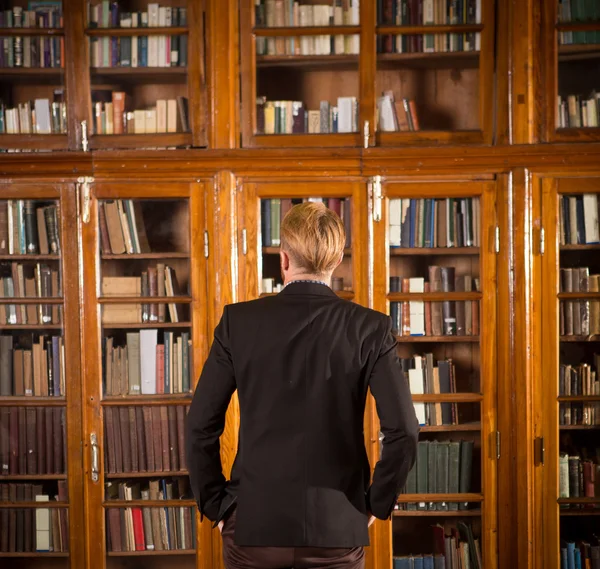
(340, 260)
(284, 260)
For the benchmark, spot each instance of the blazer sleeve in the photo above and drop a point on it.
(399, 427)
(206, 423)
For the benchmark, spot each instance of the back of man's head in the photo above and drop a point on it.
(313, 237)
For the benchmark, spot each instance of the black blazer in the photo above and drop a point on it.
(302, 362)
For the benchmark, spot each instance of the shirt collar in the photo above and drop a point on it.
(307, 281)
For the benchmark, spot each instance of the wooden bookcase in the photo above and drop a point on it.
(569, 421)
(450, 84)
(174, 224)
(571, 55)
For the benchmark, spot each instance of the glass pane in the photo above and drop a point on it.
(272, 213)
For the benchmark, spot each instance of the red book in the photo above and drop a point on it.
(138, 529)
(589, 478)
(160, 368)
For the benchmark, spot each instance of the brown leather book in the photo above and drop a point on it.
(157, 438)
(173, 444)
(19, 381)
(55, 292)
(3, 227)
(28, 372)
(49, 442)
(164, 429)
(153, 291)
(31, 441)
(108, 368)
(141, 439)
(133, 439)
(12, 520)
(37, 378)
(104, 238)
(113, 223)
(29, 513)
(42, 231)
(40, 426)
(22, 418)
(125, 438)
(4, 440)
(13, 440)
(460, 307)
(149, 436)
(6, 365)
(63, 496)
(160, 291)
(55, 537)
(20, 545)
(155, 514)
(58, 438)
(31, 310)
(114, 528)
(118, 439)
(181, 436)
(44, 369)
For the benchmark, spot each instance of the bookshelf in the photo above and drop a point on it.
(438, 299)
(572, 45)
(368, 74)
(148, 339)
(571, 416)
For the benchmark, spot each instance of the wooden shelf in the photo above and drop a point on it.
(595, 338)
(590, 247)
(140, 141)
(430, 29)
(149, 75)
(148, 503)
(577, 26)
(579, 501)
(25, 477)
(578, 52)
(581, 513)
(145, 300)
(127, 400)
(438, 339)
(31, 300)
(579, 427)
(434, 296)
(581, 398)
(30, 257)
(329, 62)
(430, 138)
(31, 326)
(579, 295)
(145, 325)
(125, 475)
(447, 398)
(440, 59)
(126, 32)
(18, 32)
(409, 251)
(436, 513)
(34, 142)
(35, 554)
(352, 139)
(148, 553)
(306, 31)
(129, 257)
(32, 401)
(464, 427)
(467, 497)
(33, 505)
(578, 135)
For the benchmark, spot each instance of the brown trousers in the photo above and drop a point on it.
(238, 557)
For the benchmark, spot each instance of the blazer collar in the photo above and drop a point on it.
(308, 288)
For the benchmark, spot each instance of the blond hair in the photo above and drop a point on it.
(314, 237)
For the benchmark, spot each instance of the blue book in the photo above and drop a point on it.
(563, 558)
(143, 51)
(427, 561)
(577, 558)
(418, 563)
(570, 556)
(265, 219)
(402, 563)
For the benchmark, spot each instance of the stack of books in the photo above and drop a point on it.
(579, 555)
(144, 439)
(394, 116)
(580, 380)
(579, 477)
(578, 111)
(145, 367)
(579, 317)
(291, 117)
(28, 227)
(35, 117)
(41, 15)
(110, 15)
(579, 220)
(572, 11)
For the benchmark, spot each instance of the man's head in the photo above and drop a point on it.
(312, 242)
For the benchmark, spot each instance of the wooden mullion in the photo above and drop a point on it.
(197, 87)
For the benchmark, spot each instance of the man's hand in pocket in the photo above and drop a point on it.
(220, 526)
(371, 519)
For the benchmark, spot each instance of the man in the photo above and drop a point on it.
(302, 363)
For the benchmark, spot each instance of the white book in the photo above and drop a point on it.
(148, 343)
(346, 109)
(387, 121)
(590, 216)
(172, 115)
(417, 387)
(153, 15)
(42, 526)
(161, 115)
(134, 51)
(417, 308)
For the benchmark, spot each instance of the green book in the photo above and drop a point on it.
(442, 473)
(453, 472)
(275, 222)
(432, 472)
(422, 467)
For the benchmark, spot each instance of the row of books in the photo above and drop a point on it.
(309, 45)
(32, 52)
(28, 227)
(426, 318)
(40, 15)
(578, 11)
(139, 51)
(419, 562)
(34, 117)
(159, 281)
(395, 116)
(425, 375)
(290, 13)
(28, 530)
(579, 477)
(17, 492)
(579, 317)
(442, 467)
(424, 13)
(577, 111)
(581, 555)
(168, 116)
(32, 368)
(108, 14)
(445, 222)
(292, 117)
(144, 439)
(150, 529)
(585, 414)
(18, 280)
(145, 367)
(272, 212)
(580, 380)
(32, 440)
(122, 228)
(162, 489)
(578, 217)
